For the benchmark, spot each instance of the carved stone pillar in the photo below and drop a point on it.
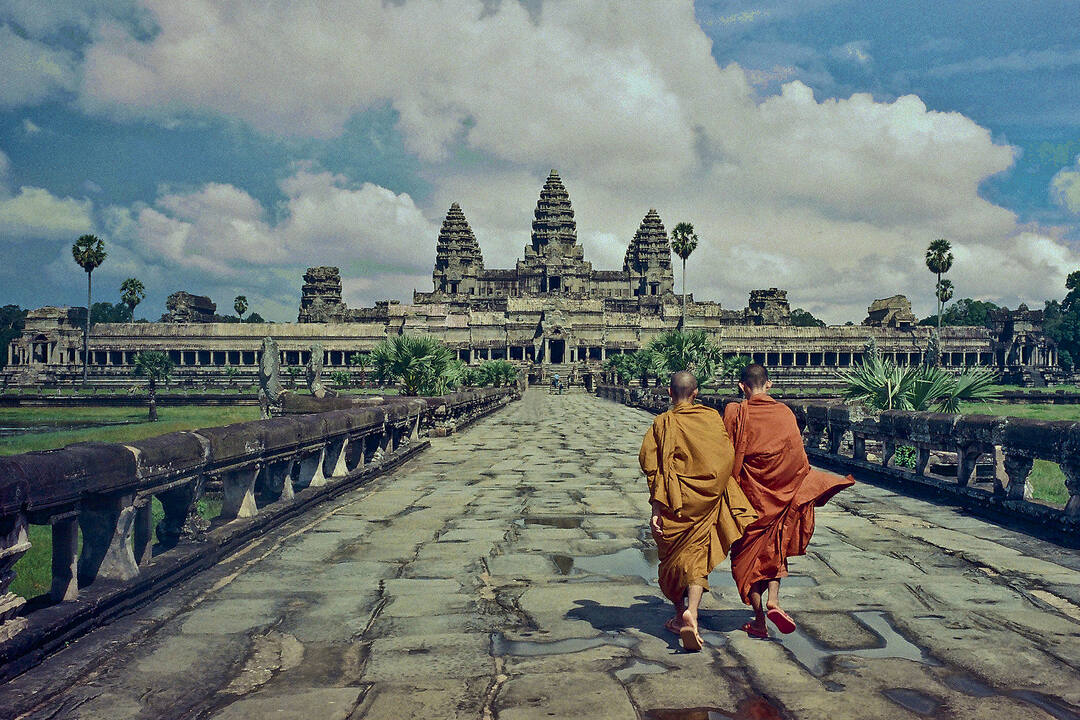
(888, 449)
(965, 464)
(335, 458)
(1072, 484)
(1017, 468)
(182, 519)
(13, 543)
(311, 470)
(106, 524)
(65, 549)
(144, 531)
(858, 447)
(238, 499)
(922, 459)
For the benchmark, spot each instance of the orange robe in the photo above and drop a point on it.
(774, 472)
(687, 457)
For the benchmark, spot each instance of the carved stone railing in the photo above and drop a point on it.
(267, 471)
(1006, 448)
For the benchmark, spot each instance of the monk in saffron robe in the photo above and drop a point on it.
(772, 468)
(698, 510)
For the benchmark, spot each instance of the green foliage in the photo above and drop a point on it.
(944, 291)
(675, 351)
(255, 318)
(1061, 323)
(106, 312)
(733, 366)
(153, 365)
(420, 365)
(683, 240)
(132, 292)
(89, 252)
(12, 321)
(341, 378)
(905, 456)
(497, 373)
(620, 364)
(939, 257)
(882, 385)
(965, 312)
(803, 318)
(240, 305)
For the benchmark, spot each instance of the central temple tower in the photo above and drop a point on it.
(554, 262)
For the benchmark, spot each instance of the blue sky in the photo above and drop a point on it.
(817, 146)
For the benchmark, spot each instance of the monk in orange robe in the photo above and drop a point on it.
(698, 510)
(772, 468)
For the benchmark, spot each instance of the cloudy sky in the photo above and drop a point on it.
(222, 147)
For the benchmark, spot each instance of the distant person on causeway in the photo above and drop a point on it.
(772, 468)
(698, 510)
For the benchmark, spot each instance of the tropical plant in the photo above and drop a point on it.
(683, 242)
(620, 365)
(804, 318)
(12, 322)
(939, 260)
(643, 365)
(965, 311)
(132, 292)
(89, 253)
(240, 305)
(944, 293)
(106, 312)
(498, 372)
(733, 366)
(420, 365)
(156, 367)
(676, 351)
(882, 385)
(293, 372)
(341, 378)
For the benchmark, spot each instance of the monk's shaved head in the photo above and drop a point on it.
(683, 386)
(754, 376)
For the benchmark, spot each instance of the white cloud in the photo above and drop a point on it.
(30, 127)
(5, 170)
(1018, 61)
(835, 199)
(33, 72)
(36, 213)
(856, 51)
(1065, 187)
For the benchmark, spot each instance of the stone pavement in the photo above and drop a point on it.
(507, 573)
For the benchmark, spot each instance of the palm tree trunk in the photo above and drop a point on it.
(153, 401)
(684, 294)
(86, 334)
(939, 303)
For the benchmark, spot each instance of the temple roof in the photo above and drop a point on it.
(553, 221)
(650, 246)
(456, 241)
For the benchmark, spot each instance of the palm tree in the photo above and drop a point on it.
(89, 252)
(132, 292)
(240, 305)
(882, 385)
(939, 259)
(675, 351)
(156, 367)
(944, 292)
(421, 365)
(683, 241)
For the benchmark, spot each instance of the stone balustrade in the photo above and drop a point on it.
(847, 438)
(267, 471)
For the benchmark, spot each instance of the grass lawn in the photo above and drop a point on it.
(136, 426)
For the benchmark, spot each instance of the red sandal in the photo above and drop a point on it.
(781, 620)
(755, 632)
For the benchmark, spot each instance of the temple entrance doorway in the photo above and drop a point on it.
(558, 350)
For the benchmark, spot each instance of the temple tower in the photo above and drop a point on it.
(648, 258)
(554, 262)
(458, 260)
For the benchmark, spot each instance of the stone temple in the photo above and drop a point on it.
(552, 312)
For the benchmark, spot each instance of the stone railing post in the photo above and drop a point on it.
(144, 530)
(858, 447)
(966, 459)
(1017, 468)
(335, 457)
(13, 544)
(106, 524)
(279, 481)
(65, 551)
(1071, 471)
(238, 492)
(922, 459)
(311, 470)
(888, 449)
(182, 517)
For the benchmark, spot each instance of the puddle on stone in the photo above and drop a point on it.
(639, 667)
(1058, 709)
(563, 522)
(968, 685)
(642, 563)
(528, 648)
(814, 657)
(913, 700)
(752, 709)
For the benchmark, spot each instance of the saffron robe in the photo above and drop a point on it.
(772, 468)
(686, 456)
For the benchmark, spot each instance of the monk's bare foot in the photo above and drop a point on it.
(691, 640)
(674, 624)
(783, 622)
(756, 628)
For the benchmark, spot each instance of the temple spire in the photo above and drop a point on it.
(554, 228)
(648, 258)
(458, 259)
